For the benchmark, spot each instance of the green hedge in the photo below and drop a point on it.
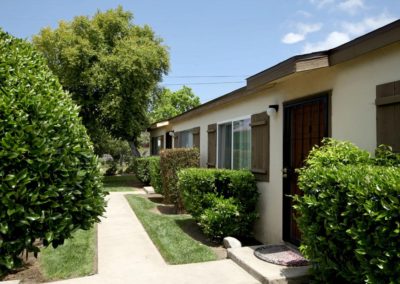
(155, 174)
(171, 161)
(222, 201)
(50, 182)
(147, 170)
(349, 214)
(141, 169)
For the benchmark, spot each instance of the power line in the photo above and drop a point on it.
(203, 83)
(209, 76)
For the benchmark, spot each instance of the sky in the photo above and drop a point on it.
(215, 45)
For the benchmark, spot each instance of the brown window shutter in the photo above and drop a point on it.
(260, 146)
(212, 145)
(388, 115)
(196, 137)
(162, 142)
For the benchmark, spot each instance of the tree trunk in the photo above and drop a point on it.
(135, 151)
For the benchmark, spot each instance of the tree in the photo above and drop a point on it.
(117, 148)
(167, 104)
(110, 66)
(50, 182)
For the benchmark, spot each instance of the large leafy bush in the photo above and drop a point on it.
(222, 201)
(171, 162)
(349, 214)
(50, 184)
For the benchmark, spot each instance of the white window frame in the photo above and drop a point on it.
(225, 122)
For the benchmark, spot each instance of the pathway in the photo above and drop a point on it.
(127, 255)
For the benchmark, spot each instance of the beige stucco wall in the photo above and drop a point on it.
(353, 118)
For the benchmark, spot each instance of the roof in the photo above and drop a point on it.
(376, 39)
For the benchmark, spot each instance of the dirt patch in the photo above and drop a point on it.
(164, 209)
(155, 197)
(29, 273)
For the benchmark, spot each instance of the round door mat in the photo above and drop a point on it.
(281, 255)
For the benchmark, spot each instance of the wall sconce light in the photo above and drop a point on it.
(171, 133)
(272, 109)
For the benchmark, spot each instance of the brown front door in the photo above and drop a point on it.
(306, 123)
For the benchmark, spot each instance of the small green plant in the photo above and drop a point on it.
(349, 214)
(171, 161)
(50, 182)
(222, 201)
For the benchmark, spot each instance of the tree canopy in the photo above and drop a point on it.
(167, 103)
(110, 66)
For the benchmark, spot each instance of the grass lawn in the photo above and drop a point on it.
(73, 259)
(121, 183)
(174, 245)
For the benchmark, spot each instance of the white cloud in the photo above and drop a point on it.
(351, 6)
(349, 30)
(302, 31)
(367, 25)
(308, 28)
(291, 38)
(304, 14)
(332, 40)
(321, 3)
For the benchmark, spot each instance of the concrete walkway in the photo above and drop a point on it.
(127, 255)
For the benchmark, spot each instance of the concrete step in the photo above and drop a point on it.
(149, 189)
(267, 273)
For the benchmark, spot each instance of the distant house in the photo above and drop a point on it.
(351, 92)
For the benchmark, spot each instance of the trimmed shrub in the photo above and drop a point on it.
(155, 174)
(141, 170)
(222, 201)
(171, 161)
(349, 214)
(50, 182)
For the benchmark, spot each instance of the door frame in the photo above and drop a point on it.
(286, 159)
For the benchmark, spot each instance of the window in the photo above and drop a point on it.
(187, 138)
(225, 145)
(156, 145)
(234, 144)
(388, 114)
(241, 144)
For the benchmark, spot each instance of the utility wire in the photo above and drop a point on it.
(203, 83)
(211, 76)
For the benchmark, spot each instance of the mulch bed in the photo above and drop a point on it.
(29, 273)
